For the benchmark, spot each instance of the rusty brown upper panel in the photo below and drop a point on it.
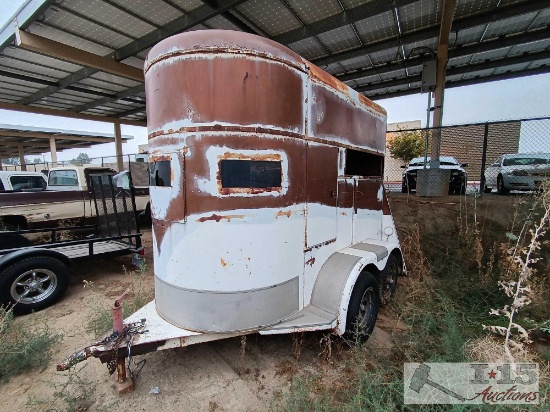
(227, 79)
(215, 41)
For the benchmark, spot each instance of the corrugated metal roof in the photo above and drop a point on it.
(360, 41)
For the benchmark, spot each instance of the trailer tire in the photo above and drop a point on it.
(387, 281)
(33, 284)
(363, 308)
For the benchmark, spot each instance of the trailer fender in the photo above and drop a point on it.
(10, 258)
(337, 277)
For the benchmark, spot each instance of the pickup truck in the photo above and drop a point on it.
(65, 199)
(19, 181)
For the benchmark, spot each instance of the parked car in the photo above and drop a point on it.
(66, 198)
(458, 180)
(21, 181)
(521, 171)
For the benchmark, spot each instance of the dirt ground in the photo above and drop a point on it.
(216, 376)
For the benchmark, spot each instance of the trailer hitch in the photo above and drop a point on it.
(122, 335)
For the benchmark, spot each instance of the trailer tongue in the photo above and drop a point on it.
(267, 199)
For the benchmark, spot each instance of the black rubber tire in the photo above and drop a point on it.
(404, 188)
(500, 186)
(487, 189)
(359, 326)
(10, 275)
(387, 280)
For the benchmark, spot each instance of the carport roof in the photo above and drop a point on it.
(35, 140)
(375, 46)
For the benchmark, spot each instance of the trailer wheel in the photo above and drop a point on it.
(33, 284)
(387, 281)
(363, 308)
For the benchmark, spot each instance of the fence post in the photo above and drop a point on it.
(483, 159)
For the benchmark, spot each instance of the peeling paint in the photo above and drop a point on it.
(219, 218)
(280, 213)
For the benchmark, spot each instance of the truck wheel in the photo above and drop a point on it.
(33, 284)
(387, 281)
(363, 308)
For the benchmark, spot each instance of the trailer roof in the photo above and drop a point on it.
(84, 58)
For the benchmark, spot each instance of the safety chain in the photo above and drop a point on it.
(129, 331)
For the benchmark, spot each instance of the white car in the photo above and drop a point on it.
(458, 179)
(22, 181)
(521, 171)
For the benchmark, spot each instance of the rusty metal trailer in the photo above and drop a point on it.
(267, 198)
(34, 276)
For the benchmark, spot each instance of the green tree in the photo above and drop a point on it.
(15, 161)
(81, 159)
(407, 144)
(37, 160)
(11, 161)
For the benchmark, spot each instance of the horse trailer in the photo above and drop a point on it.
(268, 207)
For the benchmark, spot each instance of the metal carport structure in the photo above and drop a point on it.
(84, 58)
(19, 140)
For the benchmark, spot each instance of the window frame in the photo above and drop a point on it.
(63, 170)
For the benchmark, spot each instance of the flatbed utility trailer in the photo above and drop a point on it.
(267, 200)
(34, 276)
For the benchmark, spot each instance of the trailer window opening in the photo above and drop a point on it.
(251, 174)
(160, 173)
(363, 164)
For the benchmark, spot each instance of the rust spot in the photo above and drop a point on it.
(328, 242)
(223, 262)
(241, 156)
(159, 229)
(218, 218)
(158, 157)
(344, 214)
(280, 213)
(310, 262)
(247, 190)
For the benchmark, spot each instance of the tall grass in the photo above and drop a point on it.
(452, 284)
(139, 295)
(23, 344)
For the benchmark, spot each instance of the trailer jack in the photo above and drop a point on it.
(107, 349)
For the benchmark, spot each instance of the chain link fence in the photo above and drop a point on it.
(503, 157)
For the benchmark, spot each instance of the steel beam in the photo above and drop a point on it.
(118, 147)
(42, 45)
(60, 136)
(492, 64)
(118, 96)
(463, 23)
(460, 83)
(67, 113)
(370, 9)
(178, 25)
(43, 145)
(500, 43)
